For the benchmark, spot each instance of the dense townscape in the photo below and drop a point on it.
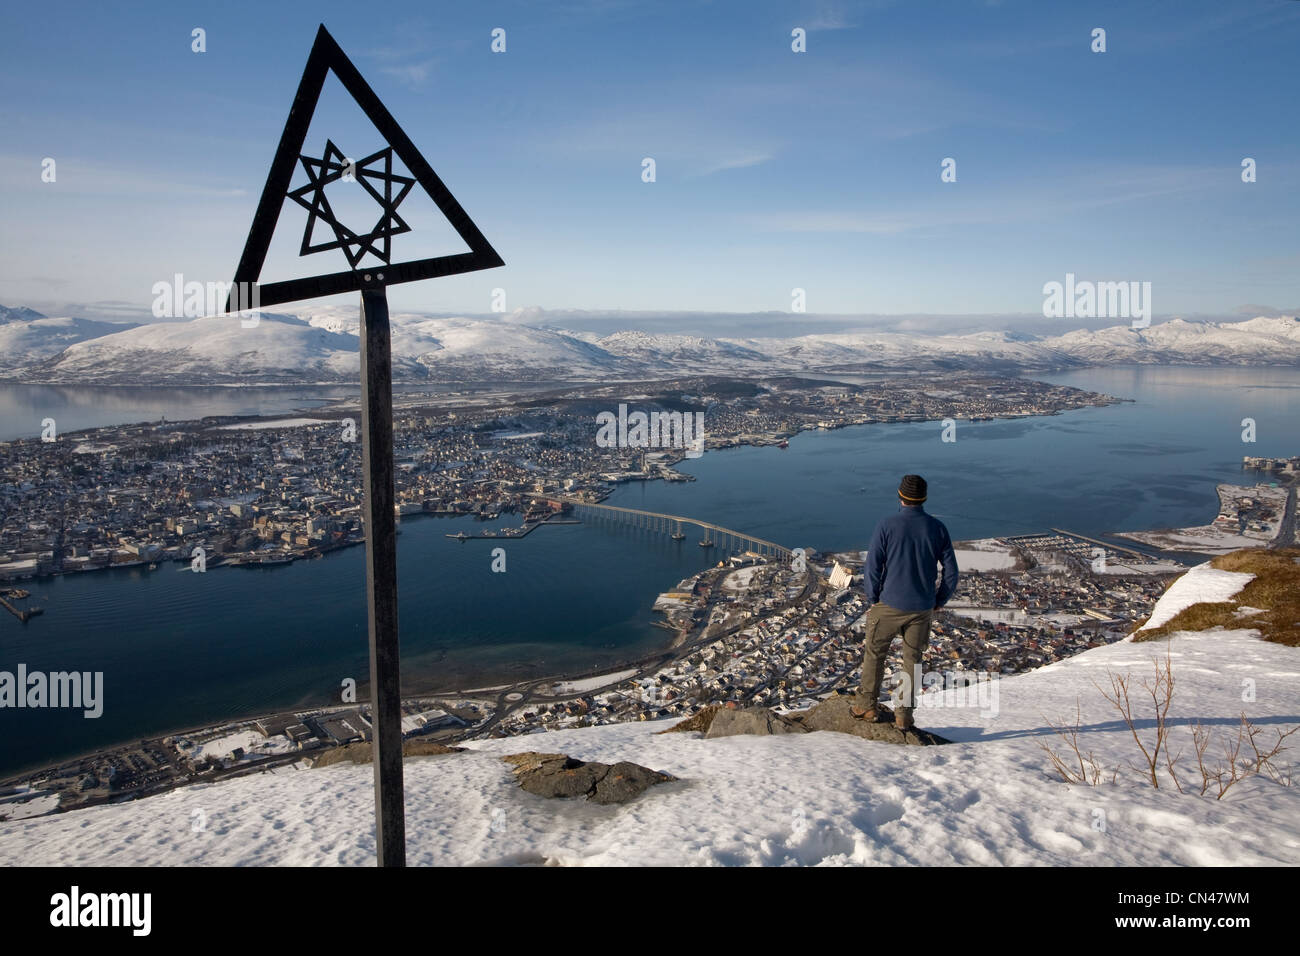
(756, 633)
(749, 631)
(225, 491)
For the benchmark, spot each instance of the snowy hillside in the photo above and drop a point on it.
(1259, 341)
(841, 351)
(208, 350)
(818, 798)
(320, 345)
(20, 313)
(27, 336)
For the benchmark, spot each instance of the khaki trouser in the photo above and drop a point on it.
(883, 624)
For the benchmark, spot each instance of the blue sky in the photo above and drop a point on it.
(775, 170)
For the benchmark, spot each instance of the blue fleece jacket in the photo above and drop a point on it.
(903, 559)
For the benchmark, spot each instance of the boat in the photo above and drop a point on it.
(705, 543)
(783, 444)
(461, 535)
(154, 566)
(256, 560)
(677, 536)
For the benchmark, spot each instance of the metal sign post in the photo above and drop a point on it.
(368, 255)
(381, 575)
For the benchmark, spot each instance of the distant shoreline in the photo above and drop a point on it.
(434, 691)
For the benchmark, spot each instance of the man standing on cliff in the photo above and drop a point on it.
(902, 564)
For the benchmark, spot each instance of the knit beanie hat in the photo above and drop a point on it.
(912, 489)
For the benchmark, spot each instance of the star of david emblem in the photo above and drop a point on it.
(374, 169)
(374, 174)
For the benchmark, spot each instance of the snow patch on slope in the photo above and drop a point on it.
(1202, 584)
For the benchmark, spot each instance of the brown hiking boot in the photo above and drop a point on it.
(863, 709)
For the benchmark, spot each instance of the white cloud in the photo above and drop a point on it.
(742, 161)
(1092, 189)
(412, 74)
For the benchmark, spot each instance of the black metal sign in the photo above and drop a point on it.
(388, 189)
(374, 173)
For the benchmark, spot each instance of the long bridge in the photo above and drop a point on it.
(724, 539)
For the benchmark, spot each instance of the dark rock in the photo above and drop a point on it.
(359, 752)
(567, 778)
(625, 781)
(833, 714)
(698, 721)
(759, 721)
(558, 775)
(532, 760)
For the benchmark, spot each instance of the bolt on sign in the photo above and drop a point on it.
(368, 250)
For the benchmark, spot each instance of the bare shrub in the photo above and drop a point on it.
(1244, 755)
(1161, 692)
(1073, 764)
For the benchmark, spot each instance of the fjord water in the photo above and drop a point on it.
(74, 407)
(179, 649)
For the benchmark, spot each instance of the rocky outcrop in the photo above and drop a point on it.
(699, 721)
(832, 714)
(359, 752)
(760, 721)
(559, 775)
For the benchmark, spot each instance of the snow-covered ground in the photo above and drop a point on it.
(250, 741)
(1012, 615)
(590, 683)
(822, 798)
(1203, 539)
(20, 802)
(739, 580)
(278, 423)
(1202, 585)
(1221, 537)
(984, 554)
(1114, 566)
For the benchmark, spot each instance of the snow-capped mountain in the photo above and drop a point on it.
(1258, 341)
(208, 350)
(685, 353)
(27, 336)
(21, 313)
(320, 345)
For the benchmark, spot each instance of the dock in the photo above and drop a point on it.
(1103, 544)
(23, 614)
(511, 534)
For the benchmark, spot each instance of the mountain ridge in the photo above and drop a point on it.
(320, 345)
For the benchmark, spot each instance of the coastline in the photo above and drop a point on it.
(667, 473)
(479, 681)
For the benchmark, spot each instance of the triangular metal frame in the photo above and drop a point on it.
(327, 55)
